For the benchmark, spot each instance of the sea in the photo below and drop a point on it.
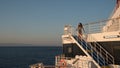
(24, 56)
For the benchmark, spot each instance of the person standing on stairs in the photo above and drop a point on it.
(80, 30)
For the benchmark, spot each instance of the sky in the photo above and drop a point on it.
(41, 22)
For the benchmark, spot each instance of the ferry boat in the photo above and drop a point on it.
(99, 46)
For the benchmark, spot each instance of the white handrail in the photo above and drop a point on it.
(98, 46)
(103, 26)
(84, 51)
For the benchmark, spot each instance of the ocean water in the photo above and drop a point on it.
(23, 56)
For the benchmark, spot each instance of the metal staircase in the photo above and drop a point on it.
(96, 51)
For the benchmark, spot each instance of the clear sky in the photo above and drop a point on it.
(41, 21)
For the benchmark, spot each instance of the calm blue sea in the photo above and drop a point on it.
(23, 56)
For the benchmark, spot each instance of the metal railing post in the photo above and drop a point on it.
(119, 23)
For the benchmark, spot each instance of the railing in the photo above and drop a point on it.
(109, 59)
(69, 30)
(78, 62)
(96, 27)
(103, 26)
(62, 64)
(86, 49)
(97, 52)
(100, 55)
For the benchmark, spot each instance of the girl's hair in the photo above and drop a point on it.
(80, 25)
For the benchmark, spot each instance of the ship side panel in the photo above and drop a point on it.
(71, 50)
(110, 41)
(113, 48)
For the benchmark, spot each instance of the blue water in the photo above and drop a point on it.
(23, 56)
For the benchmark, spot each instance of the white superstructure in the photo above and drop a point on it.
(98, 48)
(100, 44)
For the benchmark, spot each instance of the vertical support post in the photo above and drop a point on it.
(97, 58)
(100, 27)
(100, 51)
(88, 28)
(91, 51)
(106, 58)
(56, 60)
(119, 22)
